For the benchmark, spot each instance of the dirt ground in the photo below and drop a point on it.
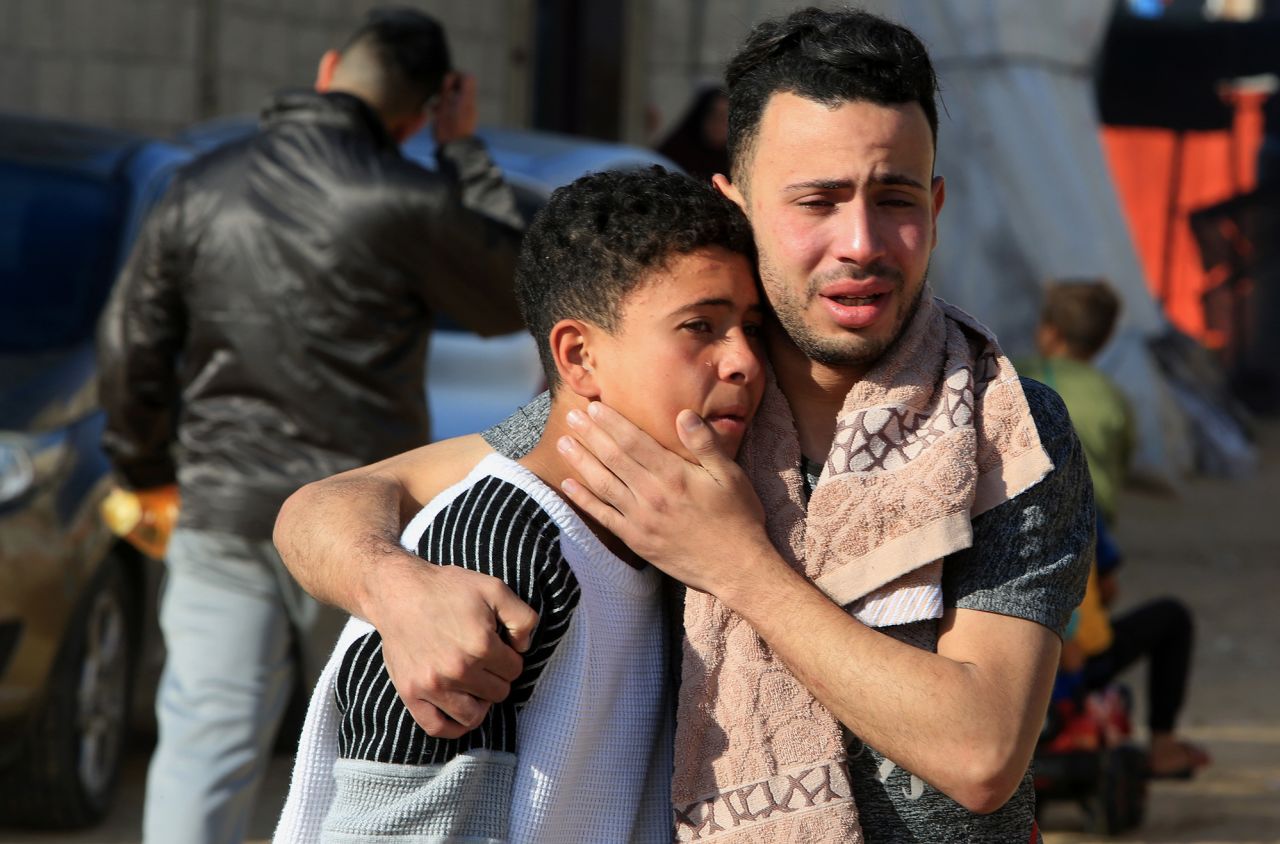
(1216, 545)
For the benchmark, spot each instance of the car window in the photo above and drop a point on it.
(59, 239)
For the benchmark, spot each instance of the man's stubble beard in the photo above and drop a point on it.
(851, 350)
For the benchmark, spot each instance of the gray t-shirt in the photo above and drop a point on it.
(1029, 559)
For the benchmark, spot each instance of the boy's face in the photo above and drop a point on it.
(687, 337)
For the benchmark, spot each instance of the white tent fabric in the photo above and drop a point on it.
(1029, 193)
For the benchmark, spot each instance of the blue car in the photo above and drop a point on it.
(73, 599)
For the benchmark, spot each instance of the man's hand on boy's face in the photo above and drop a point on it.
(698, 522)
(442, 646)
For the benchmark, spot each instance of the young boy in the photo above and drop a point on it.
(641, 290)
(1076, 321)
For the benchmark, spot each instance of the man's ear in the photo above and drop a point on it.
(939, 188)
(571, 342)
(728, 189)
(324, 73)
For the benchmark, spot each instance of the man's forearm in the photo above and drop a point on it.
(339, 536)
(139, 341)
(449, 636)
(967, 728)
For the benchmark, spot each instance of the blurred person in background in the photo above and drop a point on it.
(700, 141)
(1076, 321)
(270, 328)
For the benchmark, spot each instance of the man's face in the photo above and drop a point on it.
(843, 203)
(688, 337)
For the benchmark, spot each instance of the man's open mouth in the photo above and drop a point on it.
(856, 301)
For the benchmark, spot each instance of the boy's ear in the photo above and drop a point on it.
(571, 349)
(1049, 342)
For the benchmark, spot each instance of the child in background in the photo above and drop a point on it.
(1077, 320)
(641, 291)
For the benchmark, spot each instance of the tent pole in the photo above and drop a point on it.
(1171, 221)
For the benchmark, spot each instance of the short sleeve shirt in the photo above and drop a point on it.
(1029, 559)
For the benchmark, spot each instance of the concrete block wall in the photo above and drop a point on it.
(122, 63)
(268, 44)
(157, 66)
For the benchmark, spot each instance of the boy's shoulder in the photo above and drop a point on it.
(499, 513)
(504, 521)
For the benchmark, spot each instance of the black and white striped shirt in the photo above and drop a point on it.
(497, 529)
(592, 758)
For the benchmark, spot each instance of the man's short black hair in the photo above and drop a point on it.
(600, 237)
(830, 57)
(409, 48)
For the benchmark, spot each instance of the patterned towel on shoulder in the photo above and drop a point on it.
(936, 433)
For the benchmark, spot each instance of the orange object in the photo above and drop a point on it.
(1162, 176)
(1093, 633)
(143, 518)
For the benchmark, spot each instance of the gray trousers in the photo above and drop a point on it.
(230, 613)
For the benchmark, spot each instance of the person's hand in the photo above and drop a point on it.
(144, 518)
(455, 111)
(450, 640)
(699, 522)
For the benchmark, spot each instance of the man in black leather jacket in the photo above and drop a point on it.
(270, 329)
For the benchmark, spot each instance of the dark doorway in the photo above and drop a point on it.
(578, 67)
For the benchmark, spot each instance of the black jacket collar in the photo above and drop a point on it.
(335, 109)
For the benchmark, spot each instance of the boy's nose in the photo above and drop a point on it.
(739, 363)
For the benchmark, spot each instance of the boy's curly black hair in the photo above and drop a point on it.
(601, 237)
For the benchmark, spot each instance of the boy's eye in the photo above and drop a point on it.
(700, 326)
(752, 329)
